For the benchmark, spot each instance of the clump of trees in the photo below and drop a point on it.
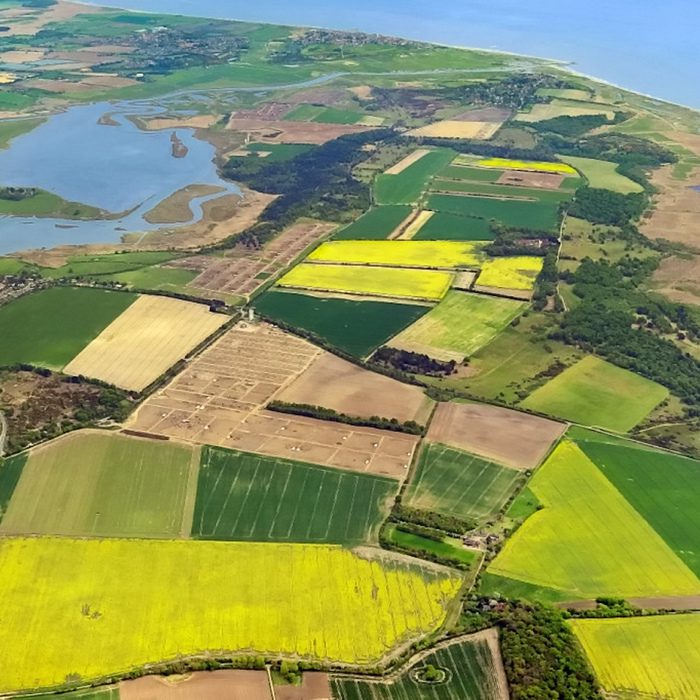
(413, 362)
(606, 207)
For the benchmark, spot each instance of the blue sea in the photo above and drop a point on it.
(644, 45)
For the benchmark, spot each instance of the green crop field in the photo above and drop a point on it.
(471, 676)
(376, 224)
(603, 174)
(243, 496)
(535, 215)
(334, 115)
(587, 540)
(650, 657)
(304, 112)
(449, 547)
(10, 473)
(358, 327)
(464, 172)
(279, 152)
(458, 483)
(109, 264)
(158, 278)
(458, 326)
(443, 226)
(101, 484)
(49, 328)
(594, 392)
(507, 191)
(407, 186)
(663, 487)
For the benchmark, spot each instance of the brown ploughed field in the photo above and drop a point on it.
(519, 178)
(514, 439)
(271, 131)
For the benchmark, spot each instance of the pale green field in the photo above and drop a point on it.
(595, 392)
(654, 657)
(441, 254)
(372, 281)
(458, 326)
(588, 540)
(603, 175)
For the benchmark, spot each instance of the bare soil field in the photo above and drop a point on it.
(521, 294)
(514, 439)
(200, 121)
(60, 12)
(22, 56)
(144, 341)
(364, 92)
(212, 685)
(176, 208)
(678, 279)
(243, 269)
(314, 686)
(106, 80)
(219, 400)
(328, 97)
(520, 178)
(676, 213)
(292, 132)
(484, 114)
(407, 161)
(334, 383)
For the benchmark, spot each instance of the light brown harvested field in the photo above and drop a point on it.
(219, 400)
(314, 686)
(464, 280)
(22, 56)
(318, 96)
(524, 294)
(200, 121)
(407, 161)
(176, 208)
(111, 81)
(678, 279)
(334, 383)
(484, 114)
(266, 131)
(57, 86)
(541, 112)
(243, 270)
(201, 685)
(60, 12)
(416, 225)
(521, 178)
(455, 129)
(364, 92)
(514, 439)
(144, 341)
(676, 213)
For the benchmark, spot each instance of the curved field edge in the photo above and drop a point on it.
(106, 607)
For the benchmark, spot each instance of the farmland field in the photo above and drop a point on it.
(663, 487)
(144, 341)
(448, 547)
(279, 152)
(319, 601)
(474, 674)
(654, 657)
(441, 254)
(103, 484)
(453, 129)
(564, 108)
(429, 285)
(10, 473)
(443, 226)
(510, 273)
(49, 328)
(243, 496)
(457, 483)
(455, 171)
(538, 166)
(505, 191)
(603, 175)
(512, 212)
(588, 540)
(594, 392)
(358, 327)
(376, 224)
(459, 325)
(407, 186)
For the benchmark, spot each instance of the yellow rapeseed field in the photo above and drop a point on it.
(88, 608)
(518, 272)
(372, 281)
(442, 254)
(655, 657)
(541, 167)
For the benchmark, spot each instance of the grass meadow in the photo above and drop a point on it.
(376, 224)
(243, 496)
(595, 392)
(50, 327)
(428, 285)
(457, 483)
(588, 540)
(663, 487)
(443, 226)
(449, 547)
(603, 175)
(649, 657)
(471, 676)
(407, 186)
(103, 606)
(102, 484)
(357, 327)
(458, 326)
(543, 216)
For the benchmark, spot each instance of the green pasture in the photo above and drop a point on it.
(108, 264)
(407, 186)
(243, 496)
(449, 547)
(443, 226)
(12, 128)
(376, 224)
(279, 152)
(457, 483)
(603, 174)
(47, 204)
(50, 327)
(358, 327)
(595, 392)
